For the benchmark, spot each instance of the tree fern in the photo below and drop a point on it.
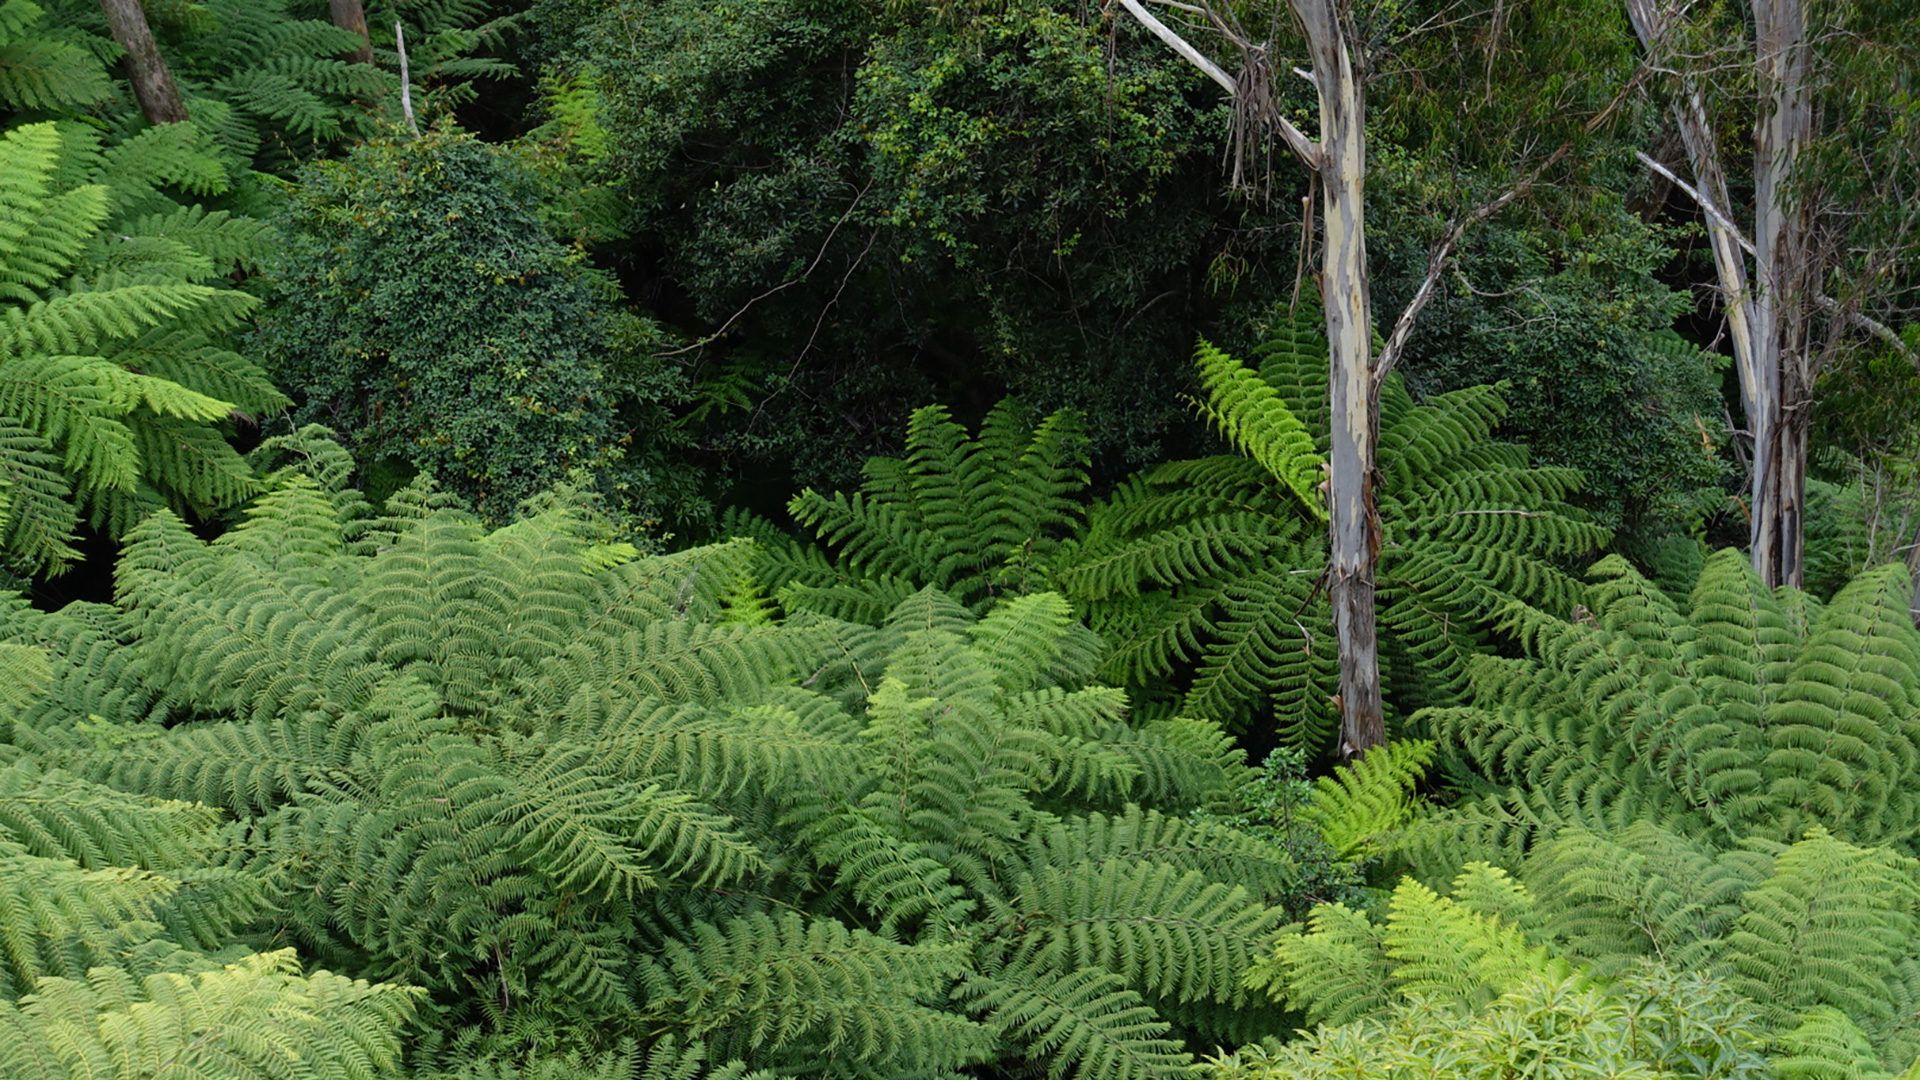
(1720, 784)
(1737, 713)
(571, 795)
(976, 516)
(1367, 800)
(257, 1018)
(111, 370)
(116, 936)
(1212, 566)
(1086, 1023)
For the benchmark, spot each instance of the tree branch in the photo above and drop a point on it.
(1826, 303)
(1296, 140)
(1396, 345)
(1699, 198)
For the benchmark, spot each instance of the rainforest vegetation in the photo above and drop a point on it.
(1067, 539)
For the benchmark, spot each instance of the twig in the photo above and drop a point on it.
(406, 85)
(787, 284)
(1396, 345)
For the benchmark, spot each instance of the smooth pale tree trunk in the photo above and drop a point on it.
(1782, 253)
(153, 84)
(1340, 160)
(1354, 518)
(1767, 313)
(351, 16)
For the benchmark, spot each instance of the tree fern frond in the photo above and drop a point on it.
(1367, 800)
(1254, 419)
(1217, 556)
(1087, 1024)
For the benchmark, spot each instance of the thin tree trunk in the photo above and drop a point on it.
(351, 16)
(1782, 254)
(1913, 567)
(1767, 319)
(1354, 519)
(153, 83)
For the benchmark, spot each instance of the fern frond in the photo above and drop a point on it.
(1254, 419)
(1086, 1024)
(763, 983)
(1366, 801)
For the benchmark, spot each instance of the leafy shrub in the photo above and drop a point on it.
(421, 308)
(954, 201)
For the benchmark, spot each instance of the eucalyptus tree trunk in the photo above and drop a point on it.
(1354, 517)
(1782, 306)
(1339, 157)
(1767, 314)
(351, 16)
(153, 84)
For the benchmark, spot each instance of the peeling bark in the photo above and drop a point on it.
(1782, 258)
(1767, 316)
(1354, 518)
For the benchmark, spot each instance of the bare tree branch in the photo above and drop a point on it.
(1860, 320)
(1303, 148)
(1442, 249)
(406, 85)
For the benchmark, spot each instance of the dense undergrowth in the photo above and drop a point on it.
(465, 692)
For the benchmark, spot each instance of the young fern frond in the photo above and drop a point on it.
(1368, 800)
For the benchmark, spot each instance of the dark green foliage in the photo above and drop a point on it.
(954, 201)
(1578, 325)
(1212, 565)
(569, 793)
(420, 307)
